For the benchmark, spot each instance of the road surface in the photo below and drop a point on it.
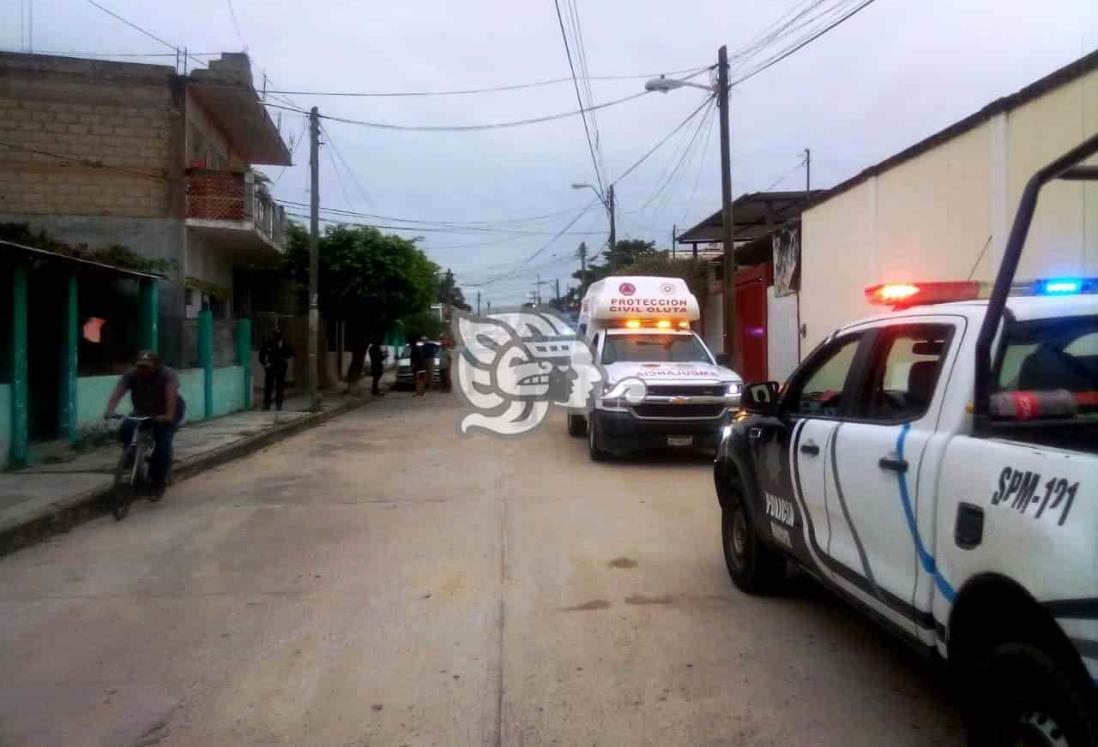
(384, 581)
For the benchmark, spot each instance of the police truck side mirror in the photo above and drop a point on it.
(723, 359)
(760, 398)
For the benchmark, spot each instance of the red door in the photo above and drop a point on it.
(750, 325)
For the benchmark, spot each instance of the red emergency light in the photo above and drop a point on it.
(903, 295)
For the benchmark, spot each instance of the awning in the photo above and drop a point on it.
(753, 215)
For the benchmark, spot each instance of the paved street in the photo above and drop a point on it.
(382, 581)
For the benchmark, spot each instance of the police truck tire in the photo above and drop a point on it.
(577, 426)
(753, 567)
(1022, 696)
(594, 441)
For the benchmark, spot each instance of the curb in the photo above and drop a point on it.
(73, 510)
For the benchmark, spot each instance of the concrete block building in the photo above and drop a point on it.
(100, 154)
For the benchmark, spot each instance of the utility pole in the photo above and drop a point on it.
(807, 174)
(556, 282)
(613, 230)
(314, 240)
(728, 283)
(674, 230)
(478, 303)
(582, 251)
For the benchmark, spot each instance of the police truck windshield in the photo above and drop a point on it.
(654, 348)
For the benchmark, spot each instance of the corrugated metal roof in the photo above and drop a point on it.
(46, 254)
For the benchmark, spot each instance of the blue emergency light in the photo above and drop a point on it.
(1064, 286)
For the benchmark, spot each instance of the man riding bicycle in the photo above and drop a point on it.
(154, 392)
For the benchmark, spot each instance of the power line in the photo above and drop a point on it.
(81, 161)
(466, 128)
(293, 149)
(236, 24)
(135, 27)
(666, 137)
(439, 227)
(816, 35)
(579, 99)
(487, 89)
(785, 176)
(686, 154)
(362, 191)
(69, 53)
(540, 250)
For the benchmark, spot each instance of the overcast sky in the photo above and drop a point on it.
(894, 73)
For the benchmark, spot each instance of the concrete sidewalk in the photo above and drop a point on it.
(47, 498)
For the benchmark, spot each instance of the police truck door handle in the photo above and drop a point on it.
(893, 463)
(810, 448)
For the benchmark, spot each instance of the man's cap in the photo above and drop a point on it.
(147, 358)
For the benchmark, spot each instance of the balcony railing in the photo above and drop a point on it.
(236, 197)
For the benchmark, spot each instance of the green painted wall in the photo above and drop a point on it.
(5, 424)
(228, 390)
(191, 387)
(91, 399)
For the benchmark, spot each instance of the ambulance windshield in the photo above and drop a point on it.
(654, 348)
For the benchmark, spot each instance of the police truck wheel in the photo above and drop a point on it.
(1021, 697)
(594, 441)
(753, 567)
(577, 426)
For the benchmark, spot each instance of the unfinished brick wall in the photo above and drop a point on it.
(78, 138)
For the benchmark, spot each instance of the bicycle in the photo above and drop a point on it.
(131, 476)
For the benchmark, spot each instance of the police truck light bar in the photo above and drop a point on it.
(902, 295)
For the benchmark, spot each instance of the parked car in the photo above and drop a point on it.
(404, 377)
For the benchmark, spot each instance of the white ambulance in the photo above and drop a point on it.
(638, 330)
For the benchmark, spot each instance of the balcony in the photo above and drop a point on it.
(235, 210)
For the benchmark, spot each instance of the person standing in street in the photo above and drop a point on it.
(418, 359)
(444, 364)
(273, 356)
(378, 355)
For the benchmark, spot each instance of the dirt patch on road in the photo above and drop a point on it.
(594, 604)
(642, 599)
(623, 563)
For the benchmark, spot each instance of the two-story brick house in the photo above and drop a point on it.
(102, 153)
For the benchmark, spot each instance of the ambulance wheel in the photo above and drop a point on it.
(1021, 696)
(753, 567)
(577, 426)
(594, 441)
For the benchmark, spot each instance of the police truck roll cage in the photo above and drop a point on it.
(1067, 167)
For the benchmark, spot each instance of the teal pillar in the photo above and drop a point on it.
(150, 315)
(244, 356)
(19, 431)
(205, 358)
(69, 361)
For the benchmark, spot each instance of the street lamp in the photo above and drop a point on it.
(663, 84)
(608, 203)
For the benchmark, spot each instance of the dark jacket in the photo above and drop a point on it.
(274, 355)
(377, 360)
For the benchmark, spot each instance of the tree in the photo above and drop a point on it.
(368, 280)
(629, 251)
(449, 294)
(695, 271)
(637, 257)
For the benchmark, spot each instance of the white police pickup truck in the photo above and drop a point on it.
(938, 467)
(637, 329)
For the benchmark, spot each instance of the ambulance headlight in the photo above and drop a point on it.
(732, 394)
